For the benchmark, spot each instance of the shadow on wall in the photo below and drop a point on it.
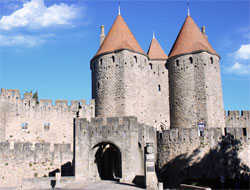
(67, 169)
(206, 171)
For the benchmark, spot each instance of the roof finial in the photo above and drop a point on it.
(188, 8)
(153, 34)
(119, 9)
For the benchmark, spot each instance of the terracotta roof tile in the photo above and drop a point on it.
(119, 37)
(190, 39)
(155, 51)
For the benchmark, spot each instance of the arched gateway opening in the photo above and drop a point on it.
(108, 161)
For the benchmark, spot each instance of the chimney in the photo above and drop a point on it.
(203, 30)
(102, 36)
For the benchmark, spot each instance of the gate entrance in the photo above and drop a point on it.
(108, 161)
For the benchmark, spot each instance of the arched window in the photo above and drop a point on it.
(177, 62)
(135, 59)
(100, 61)
(150, 66)
(159, 87)
(113, 59)
(190, 59)
(211, 60)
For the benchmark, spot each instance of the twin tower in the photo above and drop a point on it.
(176, 91)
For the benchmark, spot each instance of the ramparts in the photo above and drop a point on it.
(238, 119)
(28, 120)
(26, 160)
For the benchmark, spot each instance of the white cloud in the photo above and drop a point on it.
(34, 14)
(239, 69)
(23, 40)
(243, 52)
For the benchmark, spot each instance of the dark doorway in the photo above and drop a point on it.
(108, 161)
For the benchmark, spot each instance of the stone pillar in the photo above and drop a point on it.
(150, 176)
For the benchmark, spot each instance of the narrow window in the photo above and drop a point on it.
(177, 63)
(46, 126)
(244, 132)
(135, 59)
(159, 87)
(225, 130)
(150, 66)
(24, 126)
(98, 85)
(113, 59)
(211, 60)
(191, 60)
(100, 61)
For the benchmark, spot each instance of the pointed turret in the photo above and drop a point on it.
(155, 51)
(190, 39)
(119, 37)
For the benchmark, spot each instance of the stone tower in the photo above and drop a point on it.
(120, 75)
(158, 86)
(194, 80)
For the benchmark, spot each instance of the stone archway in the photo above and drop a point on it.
(108, 161)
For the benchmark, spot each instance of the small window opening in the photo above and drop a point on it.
(244, 132)
(135, 59)
(46, 126)
(98, 85)
(24, 126)
(113, 59)
(159, 87)
(211, 60)
(150, 66)
(190, 59)
(13, 93)
(177, 62)
(100, 61)
(225, 131)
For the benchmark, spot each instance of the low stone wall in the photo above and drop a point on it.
(24, 160)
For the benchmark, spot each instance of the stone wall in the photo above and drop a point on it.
(26, 160)
(183, 153)
(195, 92)
(125, 133)
(158, 95)
(25, 120)
(238, 119)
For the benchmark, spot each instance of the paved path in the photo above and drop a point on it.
(105, 185)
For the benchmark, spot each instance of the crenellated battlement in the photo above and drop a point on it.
(236, 114)
(25, 119)
(211, 135)
(15, 95)
(237, 119)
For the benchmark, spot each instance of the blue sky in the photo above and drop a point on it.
(46, 45)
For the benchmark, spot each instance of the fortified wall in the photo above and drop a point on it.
(238, 119)
(26, 160)
(189, 154)
(36, 122)
(125, 134)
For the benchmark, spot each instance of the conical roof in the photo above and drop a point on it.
(190, 39)
(155, 51)
(119, 37)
